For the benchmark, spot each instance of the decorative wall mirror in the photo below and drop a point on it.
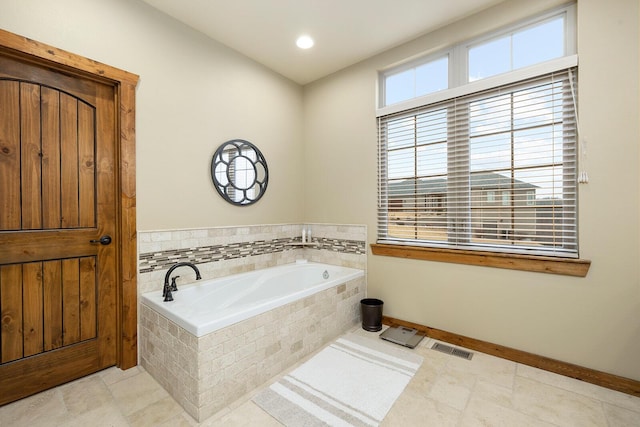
(239, 172)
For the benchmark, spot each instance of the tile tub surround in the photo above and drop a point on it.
(207, 374)
(222, 251)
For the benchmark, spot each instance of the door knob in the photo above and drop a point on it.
(104, 240)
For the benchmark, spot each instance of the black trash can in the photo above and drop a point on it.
(371, 310)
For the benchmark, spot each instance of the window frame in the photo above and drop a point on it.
(460, 86)
(458, 55)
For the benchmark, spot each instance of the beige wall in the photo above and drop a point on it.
(193, 95)
(593, 322)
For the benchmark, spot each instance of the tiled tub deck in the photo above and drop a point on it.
(205, 374)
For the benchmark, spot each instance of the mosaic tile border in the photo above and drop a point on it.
(159, 260)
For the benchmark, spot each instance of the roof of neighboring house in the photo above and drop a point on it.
(479, 181)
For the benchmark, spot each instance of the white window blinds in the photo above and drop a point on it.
(493, 170)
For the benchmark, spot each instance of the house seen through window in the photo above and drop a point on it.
(487, 161)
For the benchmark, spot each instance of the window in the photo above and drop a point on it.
(531, 45)
(491, 163)
(423, 79)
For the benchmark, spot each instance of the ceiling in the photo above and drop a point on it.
(345, 31)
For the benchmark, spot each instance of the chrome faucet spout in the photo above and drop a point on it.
(167, 289)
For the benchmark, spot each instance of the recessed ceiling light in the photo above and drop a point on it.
(304, 42)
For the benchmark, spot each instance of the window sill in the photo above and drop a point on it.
(539, 264)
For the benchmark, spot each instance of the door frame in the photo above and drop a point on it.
(124, 84)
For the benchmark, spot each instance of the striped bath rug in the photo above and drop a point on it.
(352, 382)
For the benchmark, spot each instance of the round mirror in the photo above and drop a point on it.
(239, 172)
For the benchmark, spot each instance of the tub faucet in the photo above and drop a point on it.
(167, 289)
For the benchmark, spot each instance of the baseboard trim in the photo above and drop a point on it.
(603, 379)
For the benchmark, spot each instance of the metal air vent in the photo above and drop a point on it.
(443, 348)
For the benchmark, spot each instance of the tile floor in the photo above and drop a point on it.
(446, 391)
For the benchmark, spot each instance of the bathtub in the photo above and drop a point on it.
(205, 306)
(220, 339)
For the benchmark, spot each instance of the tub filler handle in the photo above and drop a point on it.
(174, 285)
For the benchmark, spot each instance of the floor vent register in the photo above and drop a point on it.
(452, 350)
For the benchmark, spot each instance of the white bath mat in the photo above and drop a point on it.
(352, 382)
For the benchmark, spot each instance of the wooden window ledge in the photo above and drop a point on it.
(539, 264)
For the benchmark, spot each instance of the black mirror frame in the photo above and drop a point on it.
(223, 189)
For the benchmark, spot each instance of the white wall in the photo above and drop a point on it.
(193, 95)
(593, 321)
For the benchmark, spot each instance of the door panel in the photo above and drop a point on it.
(32, 314)
(9, 153)
(87, 298)
(52, 304)
(51, 195)
(30, 156)
(57, 192)
(11, 305)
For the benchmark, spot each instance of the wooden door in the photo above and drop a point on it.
(58, 293)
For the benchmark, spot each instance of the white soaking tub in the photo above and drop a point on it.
(205, 306)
